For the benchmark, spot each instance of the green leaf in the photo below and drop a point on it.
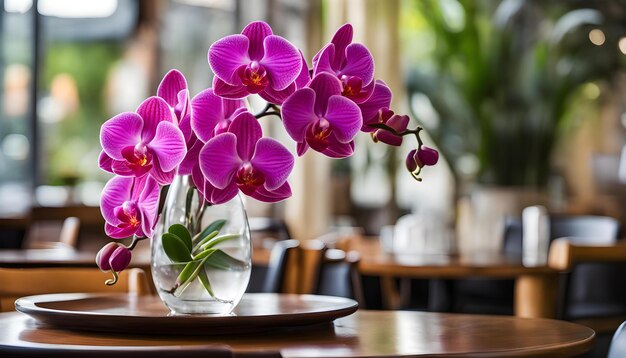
(214, 241)
(204, 280)
(214, 226)
(182, 233)
(187, 275)
(223, 261)
(175, 248)
(188, 199)
(204, 254)
(205, 239)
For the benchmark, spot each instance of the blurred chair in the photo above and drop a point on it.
(491, 296)
(279, 275)
(311, 258)
(618, 343)
(15, 283)
(13, 232)
(339, 275)
(68, 237)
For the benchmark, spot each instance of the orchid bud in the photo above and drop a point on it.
(102, 258)
(120, 258)
(411, 161)
(427, 156)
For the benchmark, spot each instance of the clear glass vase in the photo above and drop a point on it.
(201, 254)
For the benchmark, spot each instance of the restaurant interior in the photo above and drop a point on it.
(313, 178)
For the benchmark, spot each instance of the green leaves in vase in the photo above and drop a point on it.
(198, 254)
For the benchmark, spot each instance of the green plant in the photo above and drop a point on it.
(502, 75)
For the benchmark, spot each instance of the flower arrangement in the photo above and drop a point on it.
(219, 143)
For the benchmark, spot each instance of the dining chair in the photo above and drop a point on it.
(494, 296)
(68, 236)
(339, 275)
(311, 258)
(17, 282)
(280, 275)
(617, 349)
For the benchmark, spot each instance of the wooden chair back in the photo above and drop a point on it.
(309, 263)
(339, 275)
(18, 282)
(566, 255)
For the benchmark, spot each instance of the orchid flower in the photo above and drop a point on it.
(318, 116)
(212, 115)
(147, 141)
(241, 160)
(256, 61)
(173, 89)
(129, 206)
(351, 62)
(371, 109)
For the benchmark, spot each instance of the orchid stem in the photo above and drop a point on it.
(136, 239)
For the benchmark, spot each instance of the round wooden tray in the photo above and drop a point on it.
(122, 313)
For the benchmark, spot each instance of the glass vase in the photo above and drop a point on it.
(201, 253)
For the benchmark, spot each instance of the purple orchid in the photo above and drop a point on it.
(129, 206)
(173, 89)
(257, 61)
(212, 115)
(397, 122)
(372, 108)
(147, 141)
(351, 62)
(319, 117)
(241, 160)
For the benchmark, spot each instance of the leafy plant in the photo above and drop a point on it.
(501, 77)
(197, 254)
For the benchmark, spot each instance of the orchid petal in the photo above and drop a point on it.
(282, 61)
(138, 185)
(197, 177)
(153, 111)
(115, 193)
(227, 55)
(297, 112)
(172, 83)
(183, 102)
(191, 158)
(325, 85)
(168, 146)
(380, 98)
(341, 40)
(232, 107)
(256, 32)
(120, 167)
(225, 90)
(105, 162)
(359, 62)
(281, 193)
(162, 177)
(148, 205)
(119, 132)
(364, 95)
(273, 160)
(220, 196)
(248, 131)
(277, 97)
(219, 161)
(207, 111)
(339, 150)
(345, 118)
(121, 232)
(323, 62)
(301, 148)
(304, 77)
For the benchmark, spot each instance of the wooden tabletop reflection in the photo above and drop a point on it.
(363, 334)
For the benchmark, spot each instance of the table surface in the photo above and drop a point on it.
(362, 334)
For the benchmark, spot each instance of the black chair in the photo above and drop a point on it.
(617, 348)
(271, 279)
(339, 275)
(491, 296)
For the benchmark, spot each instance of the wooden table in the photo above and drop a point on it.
(535, 287)
(363, 334)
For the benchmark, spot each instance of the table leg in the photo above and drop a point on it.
(536, 296)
